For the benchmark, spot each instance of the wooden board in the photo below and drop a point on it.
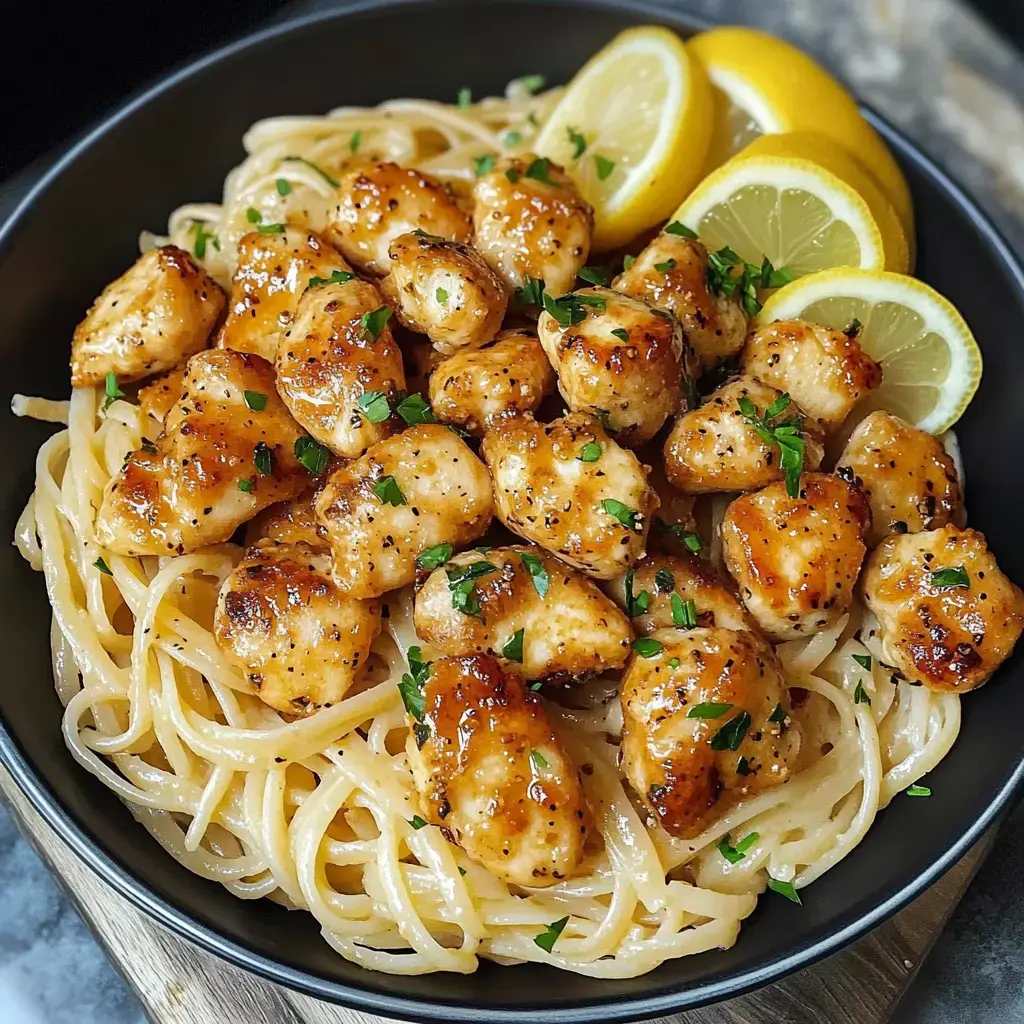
(178, 983)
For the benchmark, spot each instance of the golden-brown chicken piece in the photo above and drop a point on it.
(298, 639)
(796, 560)
(474, 390)
(672, 273)
(704, 724)
(216, 464)
(719, 448)
(567, 486)
(407, 494)
(159, 312)
(445, 290)
(949, 616)
(532, 223)
(337, 358)
(907, 476)
(273, 271)
(157, 399)
(826, 371)
(289, 522)
(621, 360)
(377, 203)
(666, 591)
(535, 614)
(492, 773)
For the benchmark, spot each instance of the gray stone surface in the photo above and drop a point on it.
(946, 80)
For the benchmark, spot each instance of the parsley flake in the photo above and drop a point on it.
(538, 760)
(604, 166)
(785, 436)
(412, 682)
(532, 293)
(373, 321)
(388, 491)
(590, 452)
(648, 647)
(547, 938)
(594, 275)
(337, 277)
(375, 406)
(483, 164)
(256, 400)
(357, 137)
(434, 557)
(947, 579)
(734, 854)
(730, 736)
(684, 613)
(676, 227)
(638, 604)
(102, 566)
(312, 455)
(664, 268)
(709, 709)
(284, 186)
(202, 237)
(246, 485)
(569, 309)
(539, 170)
(415, 409)
(621, 333)
(465, 98)
(533, 83)
(578, 140)
(535, 567)
(111, 389)
(916, 790)
(786, 889)
(513, 649)
(263, 459)
(625, 515)
(441, 295)
(778, 715)
(864, 660)
(664, 581)
(860, 695)
(333, 182)
(417, 822)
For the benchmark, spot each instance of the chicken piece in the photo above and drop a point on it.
(474, 390)
(567, 486)
(273, 271)
(337, 356)
(568, 628)
(656, 590)
(796, 560)
(687, 756)
(216, 464)
(825, 371)
(672, 273)
(159, 312)
(532, 223)
(156, 400)
(444, 290)
(289, 522)
(407, 494)
(948, 615)
(492, 773)
(907, 476)
(377, 203)
(299, 640)
(675, 522)
(622, 360)
(718, 448)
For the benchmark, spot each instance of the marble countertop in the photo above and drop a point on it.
(942, 76)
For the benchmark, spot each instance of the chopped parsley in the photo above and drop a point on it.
(539, 170)
(621, 333)
(684, 613)
(312, 455)
(532, 293)
(263, 459)
(648, 647)
(256, 400)
(916, 790)
(337, 277)
(434, 557)
(709, 709)
(357, 137)
(253, 216)
(638, 604)
(441, 295)
(786, 889)
(333, 182)
(785, 436)
(730, 736)
(246, 485)
(284, 186)
(593, 275)
(860, 695)
(417, 822)
(375, 406)
(852, 329)
(570, 309)
(778, 716)
(538, 760)
(535, 567)
(628, 261)
(465, 98)
(664, 581)
(947, 579)
(532, 83)
(691, 541)
(512, 138)
(604, 166)
(673, 663)
(102, 566)
(415, 409)
(734, 854)
(664, 268)
(462, 581)
(388, 491)
(112, 390)
(512, 174)
(202, 237)
(864, 660)
(722, 281)
(373, 321)
(590, 452)
(513, 649)
(578, 140)
(676, 227)
(625, 515)
(483, 164)
(742, 766)
(547, 938)
(411, 684)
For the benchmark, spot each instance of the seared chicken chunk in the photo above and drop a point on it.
(949, 617)
(273, 271)
(445, 290)
(289, 522)
(474, 390)
(672, 273)
(907, 476)
(797, 559)
(826, 371)
(566, 627)
(299, 640)
(719, 448)
(664, 591)
(623, 360)
(159, 312)
(157, 399)
(492, 773)
(570, 488)
(378, 203)
(407, 494)
(338, 356)
(698, 731)
(216, 464)
(531, 222)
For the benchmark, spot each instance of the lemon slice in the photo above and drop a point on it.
(931, 364)
(800, 201)
(643, 109)
(763, 86)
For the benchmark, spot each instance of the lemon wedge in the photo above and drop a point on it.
(802, 202)
(931, 364)
(632, 128)
(763, 86)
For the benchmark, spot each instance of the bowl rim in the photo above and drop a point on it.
(629, 1007)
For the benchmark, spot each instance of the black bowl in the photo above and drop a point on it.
(78, 230)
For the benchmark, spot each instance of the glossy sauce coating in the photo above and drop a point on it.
(159, 312)
(493, 774)
(289, 522)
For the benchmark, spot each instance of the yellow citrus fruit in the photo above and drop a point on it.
(764, 86)
(931, 364)
(642, 110)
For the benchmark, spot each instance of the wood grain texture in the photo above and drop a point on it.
(178, 983)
